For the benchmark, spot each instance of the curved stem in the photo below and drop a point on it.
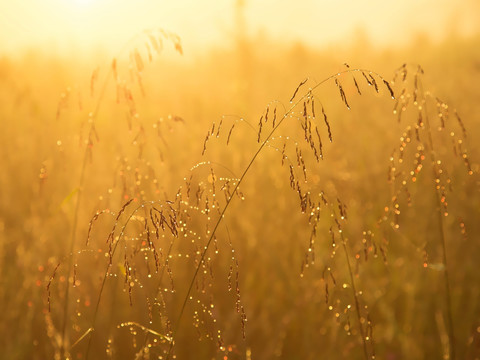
(242, 177)
(80, 190)
(441, 222)
(75, 216)
(97, 306)
(355, 297)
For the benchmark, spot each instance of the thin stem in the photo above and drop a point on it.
(448, 299)
(109, 265)
(260, 148)
(78, 201)
(95, 113)
(355, 297)
(75, 217)
(70, 253)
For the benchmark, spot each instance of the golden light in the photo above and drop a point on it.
(63, 25)
(83, 2)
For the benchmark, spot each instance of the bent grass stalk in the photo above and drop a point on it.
(109, 265)
(355, 297)
(75, 216)
(443, 241)
(111, 253)
(240, 181)
(420, 101)
(93, 116)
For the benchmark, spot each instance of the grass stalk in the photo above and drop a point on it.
(355, 297)
(79, 196)
(242, 177)
(443, 242)
(75, 216)
(104, 280)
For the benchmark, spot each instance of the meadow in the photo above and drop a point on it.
(259, 201)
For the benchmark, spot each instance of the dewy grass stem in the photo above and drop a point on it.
(355, 297)
(441, 225)
(93, 116)
(242, 177)
(75, 219)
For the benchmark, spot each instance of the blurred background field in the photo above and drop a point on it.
(82, 135)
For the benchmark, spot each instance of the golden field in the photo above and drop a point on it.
(232, 206)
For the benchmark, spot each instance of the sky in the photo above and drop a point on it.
(82, 26)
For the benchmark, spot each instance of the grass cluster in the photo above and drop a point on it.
(160, 211)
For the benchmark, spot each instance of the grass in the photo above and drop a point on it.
(157, 221)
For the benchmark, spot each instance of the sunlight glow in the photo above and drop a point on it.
(83, 2)
(73, 25)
